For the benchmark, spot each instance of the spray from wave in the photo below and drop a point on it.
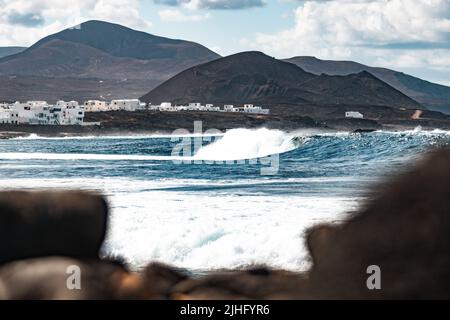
(240, 144)
(417, 131)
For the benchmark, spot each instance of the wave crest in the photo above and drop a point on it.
(241, 144)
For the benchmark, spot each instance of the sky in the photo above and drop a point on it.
(412, 36)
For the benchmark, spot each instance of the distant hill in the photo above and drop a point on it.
(254, 77)
(7, 51)
(23, 88)
(103, 51)
(434, 96)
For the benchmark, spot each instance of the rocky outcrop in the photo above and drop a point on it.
(50, 223)
(403, 231)
(255, 283)
(47, 278)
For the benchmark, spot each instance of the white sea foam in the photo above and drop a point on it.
(34, 136)
(203, 229)
(208, 232)
(417, 131)
(271, 134)
(84, 156)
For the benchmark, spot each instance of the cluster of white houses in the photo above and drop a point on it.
(40, 112)
(114, 105)
(135, 104)
(72, 113)
(246, 108)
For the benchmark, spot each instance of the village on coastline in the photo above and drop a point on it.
(72, 113)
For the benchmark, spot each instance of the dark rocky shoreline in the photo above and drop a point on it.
(403, 229)
(155, 122)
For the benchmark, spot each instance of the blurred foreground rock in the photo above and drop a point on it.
(36, 224)
(48, 277)
(404, 229)
(254, 283)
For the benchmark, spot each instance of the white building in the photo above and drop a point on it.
(210, 107)
(41, 113)
(114, 105)
(165, 106)
(354, 114)
(96, 106)
(127, 105)
(5, 114)
(68, 113)
(21, 113)
(249, 108)
(195, 105)
(230, 108)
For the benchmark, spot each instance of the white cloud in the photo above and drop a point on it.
(395, 33)
(57, 15)
(433, 59)
(125, 12)
(178, 16)
(214, 4)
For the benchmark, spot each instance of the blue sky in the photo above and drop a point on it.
(222, 30)
(412, 36)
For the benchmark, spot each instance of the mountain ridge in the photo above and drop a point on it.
(96, 52)
(104, 60)
(138, 54)
(133, 43)
(253, 77)
(434, 96)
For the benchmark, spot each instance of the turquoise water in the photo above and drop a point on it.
(210, 206)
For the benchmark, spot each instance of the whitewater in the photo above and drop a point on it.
(210, 206)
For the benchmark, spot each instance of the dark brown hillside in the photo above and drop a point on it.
(250, 76)
(254, 77)
(102, 51)
(433, 96)
(99, 49)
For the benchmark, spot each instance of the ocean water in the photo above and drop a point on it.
(222, 201)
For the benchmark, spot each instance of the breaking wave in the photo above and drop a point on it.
(235, 144)
(239, 144)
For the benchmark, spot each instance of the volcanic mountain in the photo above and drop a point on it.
(433, 96)
(253, 77)
(103, 51)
